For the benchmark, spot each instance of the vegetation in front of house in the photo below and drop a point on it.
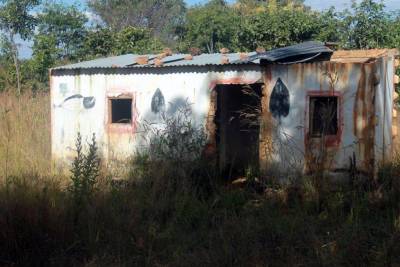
(62, 34)
(24, 134)
(176, 211)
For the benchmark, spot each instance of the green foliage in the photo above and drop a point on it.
(105, 42)
(211, 27)
(63, 34)
(178, 138)
(66, 25)
(368, 26)
(44, 57)
(7, 70)
(330, 26)
(162, 17)
(286, 26)
(135, 40)
(249, 23)
(16, 17)
(60, 34)
(99, 42)
(172, 159)
(85, 171)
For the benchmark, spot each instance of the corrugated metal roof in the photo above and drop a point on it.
(129, 61)
(303, 52)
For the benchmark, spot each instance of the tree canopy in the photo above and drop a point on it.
(162, 16)
(62, 33)
(16, 19)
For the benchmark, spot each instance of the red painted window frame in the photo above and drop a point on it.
(121, 127)
(330, 140)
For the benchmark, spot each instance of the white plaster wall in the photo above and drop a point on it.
(117, 142)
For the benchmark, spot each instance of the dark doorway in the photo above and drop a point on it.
(238, 129)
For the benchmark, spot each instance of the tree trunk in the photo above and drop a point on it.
(210, 46)
(16, 63)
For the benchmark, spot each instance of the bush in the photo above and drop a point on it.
(85, 170)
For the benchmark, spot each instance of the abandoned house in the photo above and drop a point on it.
(312, 106)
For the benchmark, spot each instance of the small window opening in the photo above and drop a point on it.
(121, 110)
(323, 115)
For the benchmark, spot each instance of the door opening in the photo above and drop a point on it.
(238, 129)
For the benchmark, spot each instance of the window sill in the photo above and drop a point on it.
(121, 128)
(330, 140)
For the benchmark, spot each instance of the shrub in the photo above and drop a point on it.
(85, 170)
(172, 161)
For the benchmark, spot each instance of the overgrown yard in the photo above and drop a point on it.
(176, 211)
(170, 219)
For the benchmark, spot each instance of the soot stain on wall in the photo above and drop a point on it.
(279, 104)
(157, 102)
(88, 101)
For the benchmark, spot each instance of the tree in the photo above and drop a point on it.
(99, 42)
(7, 69)
(66, 25)
(163, 17)
(135, 40)
(330, 27)
(16, 19)
(105, 42)
(368, 26)
(45, 55)
(277, 27)
(212, 26)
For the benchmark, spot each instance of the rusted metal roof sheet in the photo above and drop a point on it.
(361, 56)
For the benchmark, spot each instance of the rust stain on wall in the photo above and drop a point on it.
(266, 145)
(364, 117)
(211, 128)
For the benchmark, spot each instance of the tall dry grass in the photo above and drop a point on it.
(24, 134)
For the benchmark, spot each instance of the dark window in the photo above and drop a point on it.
(121, 110)
(323, 115)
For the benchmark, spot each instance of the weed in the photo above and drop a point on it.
(85, 171)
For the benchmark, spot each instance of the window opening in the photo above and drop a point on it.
(323, 115)
(121, 110)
